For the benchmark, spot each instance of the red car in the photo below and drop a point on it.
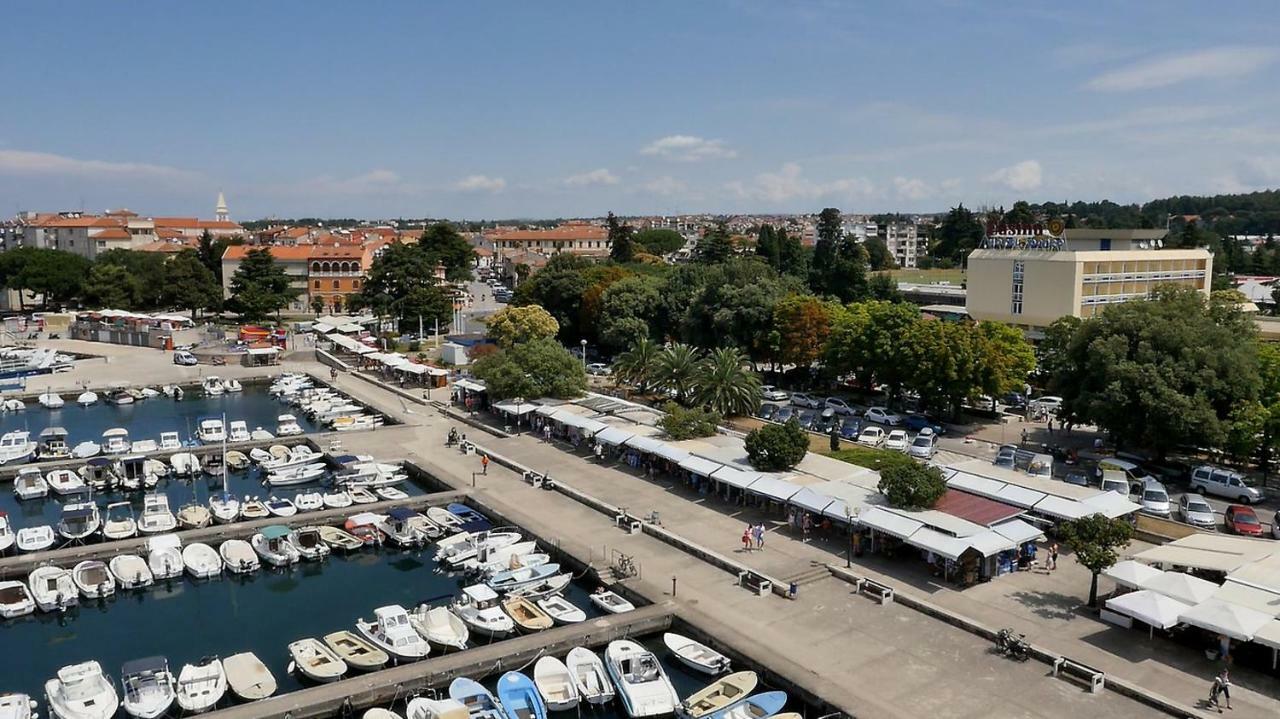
(1240, 519)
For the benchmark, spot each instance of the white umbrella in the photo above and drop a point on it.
(1217, 616)
(1130, 573)
(1149, 607)
(1181, 586)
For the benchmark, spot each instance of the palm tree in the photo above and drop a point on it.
(639, 364)
(725, 385)
(677, 370)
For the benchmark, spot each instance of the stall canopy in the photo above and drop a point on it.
(989, 543)
(808, 499)
(471, 385)
(1192, 558)
(941, 544)
(698, 465)
(1244, 595)
(1269, 635)
(255, 351)
(1018, 531)
(614, 435)
(412, 368)
(642, 443)
(1060, 508)
(670, 452)
(516, 409)
(1181, 586)
(547, 410)
(892, 524)
(1130, 574)
(1111, 504)
(1222, 617)
(734, 477)
(1148, 607)
(774, 489)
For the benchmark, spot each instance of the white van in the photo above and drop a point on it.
(1208, 479)
(1136, 475)
(1113, 480)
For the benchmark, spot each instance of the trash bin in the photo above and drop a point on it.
(793, 590)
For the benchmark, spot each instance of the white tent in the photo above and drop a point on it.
(1149, 607)
(699, 465)
(614, 435)
(808, 499)
(1181, 586)
(1220, 617)
(889, 523)
(1130, 573)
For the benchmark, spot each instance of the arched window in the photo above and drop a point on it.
(327, 267)
(315, 266)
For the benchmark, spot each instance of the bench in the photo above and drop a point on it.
(754, 583)
(1096, 677)
(883, 593)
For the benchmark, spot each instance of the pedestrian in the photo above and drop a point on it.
(1221, 687)
(805, 525)
(1024, 435)
(1053, 556)
(484, 464)
(1050, 424)
(746, 539)
(759, 532)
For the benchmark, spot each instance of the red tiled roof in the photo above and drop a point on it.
(342, 252)
(978, 510)
(112, 233)
(163, 246)
(86, 221)
(563, 233)
(280, 252)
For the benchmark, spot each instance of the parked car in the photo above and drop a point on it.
(1239, 519)
(801, 399)
(1005, 455)
(871, 436)
(1155, 499)
(881, 415)
(1014, 400)
(924, 446)
(1076, 477)
(1193, 510)
(599, 369)
(773, 394)
(186, 359)
(1113, 480)
(919, 422)
(767, 411)
(806, 417)
(1048, 404)
(849, 427)
(1136, 474)
(1208, 479)
(897, 440)
(828, 418)
(840, 406)
(784, 414)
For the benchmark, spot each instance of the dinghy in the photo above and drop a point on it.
(555, 684)
(254, 508)
(238, 556)
(52, 589)
(339, 540)
(695, 655)
(515, 578)
(445, 519)
(247, 677)
(642, 683)
(365, 527)
(359, 654)
(609, 602)
(64, 481)
(21, 706)
(144, 446)
(424, 526)
(165, 557)
(758, 706)
(185, 464)
(440, 627)
(549, 587)
(719, 694)
(561, 610)
(336, 499)
(309, 543)
(156, 517)
(194, 516)
(15, 600)
(201, 561)
(93, 579)
(259, 455)
(85, 450)
(527, 561)
(308, 501)
(480, 703)
(478, 606)
(316, 661)
(201, 685)
(272, 544)
(390, 494)
(236, 461)
(589, 676)
(50, 400)
(520, 698)
(149, 687)
(526, 615)
(81, 691)
(260, 434)
(30, 484)
(391, 632)
(130, 571)
(423, 708)
(281, 507)
(360, 495)
(35, 539)
(87, 399)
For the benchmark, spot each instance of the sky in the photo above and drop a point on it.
(496, 109)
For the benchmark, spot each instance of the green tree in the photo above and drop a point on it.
(510, 326)
(189, 285)
(659, 241)
(147, 271)
(677, 371)
(878, 255)
(639, 365)
(725, 385)
(776, 447)
(956, 236)
(109, 286)
(424, 306)
(621, 245)
(55, 275)
(540, 368)
(682, 423)
(260, 286)
(441, 243)
(1005, 358)
(1096, 541)
(839, 267)
(715, 245)
(802, 324)
(941, 363)
(883, 287)
(1053, 350)
(792, 257)
(402, 284)
(317, 305)
(210, 253)
(1020, 214)
(628, 308)
(912, 486)
(559, 287)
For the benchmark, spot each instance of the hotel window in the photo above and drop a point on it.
(1019, 270)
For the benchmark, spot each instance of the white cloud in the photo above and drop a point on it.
(1211, 64)
(789, 183)
(480, 183)
(21, 162)
(688, 148)
(1024, 176)
(912, 188)
(666, 186)
(601, 176)
(1255, 173)
(371, 182)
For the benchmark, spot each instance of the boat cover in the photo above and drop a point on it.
(275, 531)
(146, 665)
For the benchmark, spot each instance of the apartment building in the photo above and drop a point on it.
(580, 238)
(296, 262)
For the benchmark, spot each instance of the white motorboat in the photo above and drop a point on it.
(492, 561)
(423, 708)
(299, 474)
(53, 588)
(259, 455)
(456, 553)
(238, 556)
(589, 676)
(130, 571)
(119, 522)
(609, 602)
(201, 685)
(358, 653)
(561, 610)
(120, 398)
(64, 481)
(287, 426)
(516, 578)
(360, 495)
(99, 474)
(212, 386)
(93, 579)
(201, 561)
(211, 431)
(642, 683)
(238, 431)
(390, 494)
(79, 520)
(36, 539)
(115, 441)
(152, 471)
(13, 405)
(7, 537)
(164, 556)
(21, 706)
(253, 508)
(281, 507)
(546, 588)
(337, 499)
(52, 444)
(81, 691)
(194, 515)
(185, 464)
(237, 460)
(170, 441)
(87, 399)
(16, 446)
(391, 632)
(400, 529)
(247, 677)
(156, 517)
(50, 400)
(224, 508)
(339, 539)
(718, 695)
(86, 449)
(480, 608)
(295, 457)
(480, 702)
(149, 392)
(440, 627)
(149, 687)
(232, 385)
(371, 475)
(308, 501)
(30, 484)
(15, 600)
(272, 544)
(695, 655)
(144, 446)
(309, 544)
(556, 685)
(316, 661)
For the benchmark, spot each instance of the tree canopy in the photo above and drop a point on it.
(776, 447)
(539, 368)
(683, 423)
(956, 236)
(1096, 541)
(441, 243)
(260, 287)
(189, 285)
(911, 485)
(658, 241)
(402, 284)
(621, 245)
(511, 326)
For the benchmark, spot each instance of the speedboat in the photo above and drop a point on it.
(50, 400)
(298, 474)
(287, 426)
(119, 522)
(261, 435)
(272, 544)
(527, 616)
(499, 560)
(87, 399)
(211, 431)
(609, 602)
(423, 708)
(390, 494)
(555, 684)
(520, 697)
(79, 520)
(149, 392)
(15, 600)
(479, 607)
(360, 495)
(193, 515)
(238, 431)
(457, 552)
(516, 578)
(232, 385)
(52, 444)
(224, 508)
(86, 449)
(156, 517)
(212, 386)
(64, 481)
(472, 521)
(718, 695)
(201, 685)
(21, 706)
(316, 661)
(356, 652)
(695, 655)
(390, 631)
(16, 446)
(336, 499)
(35, 539)
(170, 441)
(93, 579)
(281, 507)
(480, 703)
(589, 676)
(295, 457)
(130, 571)
(53, 588)
(339, 539)
(397, 524)
(561, 610)
(642, 683)
(115, 441)
(546, 588)
(440, 626)
(201, 561)
(238, 556)
(120, 397)
(81, 691)
(756, 706)
(30, 484)
(164, 556)
(308, 501)
(185, 464)
(309, 543)
(248, 678)
(448, 521)
(148, 687)
(7, 537)
(13, 405)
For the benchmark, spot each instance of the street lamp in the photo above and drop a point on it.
(584, 355)
(519, 401)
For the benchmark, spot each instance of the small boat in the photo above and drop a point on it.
(589, 676)
(79, 520)
(298, 474)
(339, 539)
(85, 450)
(115, 441)
(201, 561)
(526, 615)
(316, 661)
(144, 446)
(53, 444)
(224, 508)
(236, 461)
(131, 470)
(498, 560)
(480, 702)
(520, 698)
(549, 587)
(757, 706)
(15, 600)
(359, 654)
(360, 495)
(149, 393)
(472, 521)
(99, 473)
(64, 481)
(214, 467)
(261, 435)
(7, 537)
(231, 385)
(642, 683)
(16, 447)
(87, 399)
(446, 520)
(479, 607)
(164, 556)
(130, 571)
(53, 588)
(119, 522)
(120, 397)
(238, 556)
(194, 516)
(336, 499)
(695, 655)
(390, 631)
(93, 579)
(21, 706)
(390, 494)
(149, 687)
(50, 400)
(211, 431)
(247, 677)
(283, 457)
(287, 426)
(365, 526)
(561, 610)
(35, 539)
(309, 543)
(259, 455)
(556, 685)
(440, 627)
(170, 441)
(718, 695)
(212, 386)
(609, 602)
(308, 501)
(470, 545)
(30, 484)
(254, 508)
(272, 544)
(400, 529)
(201, 685)
(156, 517)
(13, 405)
(424, 526)
(238, 431)
(423, 708)
(515, 578)
(81, 691)
(281, 507)
(185, 464)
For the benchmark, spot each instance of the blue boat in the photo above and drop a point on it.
(756, 706)
(472, 521)
(520, 698)
(479, 702)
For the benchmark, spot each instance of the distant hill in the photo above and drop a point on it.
(1254, 213)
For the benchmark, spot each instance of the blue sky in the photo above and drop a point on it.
(519, 109)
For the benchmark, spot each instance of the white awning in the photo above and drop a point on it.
(643, 443)
(1192, 558)
(990, 543)
(322, 327)
(838, 509)
(350, 327)
(892, 524)
(394, 360)
(1063, 508)
(810, 500)
(590, 426)
(1149, 607)
(1130, 574)
(941, 544)
(734, 477)
(1181, 586)
(1244, 595)
(412, 368)
(519, 410)
(547, 410)
(1019, 496)
(264, 350)
(1221, 617)
(974, 484)
(614, 435)
(1269, 635)
(1111, 504)
(700, 466)
(1018, 531)
(773, 488)
(468, 384)
(670, 452)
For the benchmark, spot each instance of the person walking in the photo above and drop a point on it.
(1221, 687)
(805, 525)
(759, 534)
(1053, 556)
(484, 464)
(746, 539)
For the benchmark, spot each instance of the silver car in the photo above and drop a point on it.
(1193, 510)
(923, 447)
